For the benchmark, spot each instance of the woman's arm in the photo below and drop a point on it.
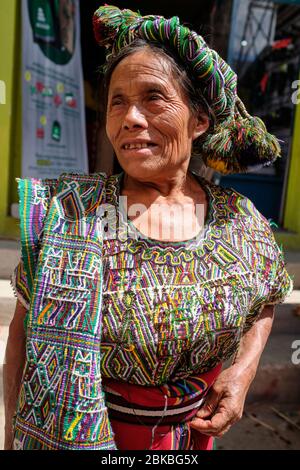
(13, 369)
(225, 401)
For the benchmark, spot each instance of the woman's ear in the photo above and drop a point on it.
(201, 124)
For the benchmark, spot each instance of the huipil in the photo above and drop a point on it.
(169, 310)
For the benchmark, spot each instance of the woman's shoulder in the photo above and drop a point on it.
(240, 212)
(88, 188)
(95, 180)
(51, 183)
(37, 194)
(235, 205)
(83, 176)
(72, 175)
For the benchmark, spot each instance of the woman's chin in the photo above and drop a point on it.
(140, 167)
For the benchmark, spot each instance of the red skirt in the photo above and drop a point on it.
(157, 418)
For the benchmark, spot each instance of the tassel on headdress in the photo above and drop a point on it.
(238, 141)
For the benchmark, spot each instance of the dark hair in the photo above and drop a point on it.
(178, 68)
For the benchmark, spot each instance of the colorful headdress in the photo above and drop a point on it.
(237, 141)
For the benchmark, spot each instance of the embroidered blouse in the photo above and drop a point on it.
(173, 309)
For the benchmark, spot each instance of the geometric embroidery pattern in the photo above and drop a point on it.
(178, 309)
(61, 403)
(129, 308)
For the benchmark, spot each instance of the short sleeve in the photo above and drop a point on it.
(273, 282)
(34, 199)
(270, 282)
(20, 285)
(281, 285)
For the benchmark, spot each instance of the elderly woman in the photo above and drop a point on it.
(131, 309)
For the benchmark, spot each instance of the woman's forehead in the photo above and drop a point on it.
(142, 69)
(145, 56)
(140, 81)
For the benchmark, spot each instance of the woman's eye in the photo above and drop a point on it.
(116, 102)
(154, 97)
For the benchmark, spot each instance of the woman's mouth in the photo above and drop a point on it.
(139, 149)
(138, 146)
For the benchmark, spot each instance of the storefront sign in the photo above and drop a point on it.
(53, 137)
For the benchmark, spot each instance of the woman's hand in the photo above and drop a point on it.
(223, 405)
(225, 401)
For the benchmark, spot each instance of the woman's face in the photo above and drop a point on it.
(149, 122)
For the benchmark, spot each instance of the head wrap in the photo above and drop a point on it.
(237, 142)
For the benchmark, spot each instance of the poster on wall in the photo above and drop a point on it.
(53, 114)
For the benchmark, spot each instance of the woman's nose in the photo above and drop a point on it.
(134, 118)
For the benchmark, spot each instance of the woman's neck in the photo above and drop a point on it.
(169, 188)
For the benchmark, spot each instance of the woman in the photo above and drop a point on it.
(167, 295)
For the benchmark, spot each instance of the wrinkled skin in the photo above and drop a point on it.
(224, 404)
(145, 102)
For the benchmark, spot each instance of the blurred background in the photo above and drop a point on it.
(52, 120)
